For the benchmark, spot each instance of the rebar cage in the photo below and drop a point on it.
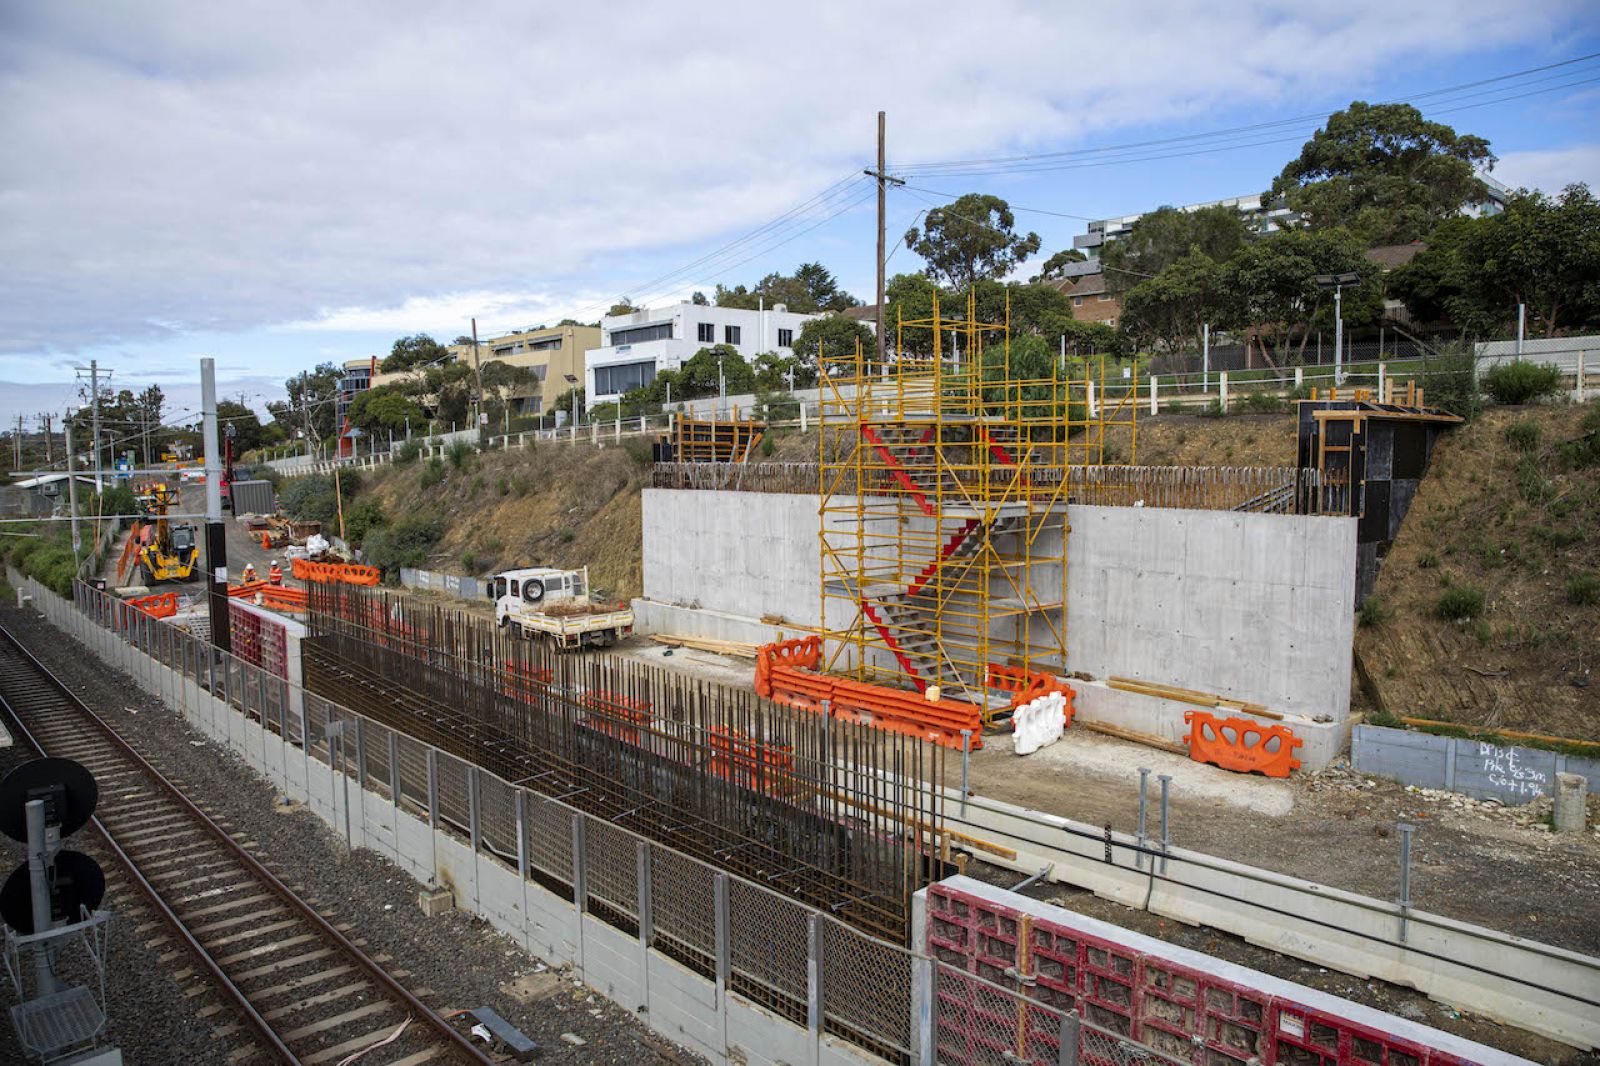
(844, 817)
(943, 516)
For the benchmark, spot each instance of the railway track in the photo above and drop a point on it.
(309, 993)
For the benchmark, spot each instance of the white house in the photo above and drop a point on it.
(641, 345)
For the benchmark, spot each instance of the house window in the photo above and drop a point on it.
(1077, 301)
(640, 334)
(1103, 297)
(786, 338)
(730, 334)
(706, 333)
(549, 344)
(623, 377)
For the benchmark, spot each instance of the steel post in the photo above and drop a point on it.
(1144, 802)
(1405, 877)
(1166, 828)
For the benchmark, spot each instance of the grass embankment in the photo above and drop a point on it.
(1487, 609)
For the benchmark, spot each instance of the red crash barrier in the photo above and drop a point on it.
(1241, 744)
(1187, 1005)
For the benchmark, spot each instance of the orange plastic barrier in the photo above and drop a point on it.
(785, 673)
(940, 721)
(127, 550)
(619, 716)
(803, 652)
(278, 596)
(349, 573)
(1241, 744)
(523, 681)
(1026, 686)
(161, 605)
(737, 757)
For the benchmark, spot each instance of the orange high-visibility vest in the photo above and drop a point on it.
(275, 574)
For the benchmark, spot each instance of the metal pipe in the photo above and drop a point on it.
(1144, 803)
(1405, 876)
(1166, 834)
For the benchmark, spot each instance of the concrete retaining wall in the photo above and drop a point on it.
(1251, 606)
(467, 588)
(1472, 767)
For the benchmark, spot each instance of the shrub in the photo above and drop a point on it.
(1585, 450)
(361, 519)
(268, 474)
(1584, 590)
(407, 452)
(1262, 403)
(567, 535)
(469, 561)
(1523, 434)
(1449, 376)
(403, 544)
(118, 499)
(1428, 561)
(310, 498)
(504, 487)
(477, 484)
(432, 473)
(459, 453)
(1460, 602)
(1519, 382)
(1373, 611)
(1212, 410)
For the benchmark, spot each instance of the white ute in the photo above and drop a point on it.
(555, 604)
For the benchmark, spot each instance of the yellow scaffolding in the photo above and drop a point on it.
(943, 518)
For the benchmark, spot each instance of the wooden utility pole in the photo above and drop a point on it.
(884, 181)
(477, 373)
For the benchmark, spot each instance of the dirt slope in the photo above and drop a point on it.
(555, 505)
(1522, 525)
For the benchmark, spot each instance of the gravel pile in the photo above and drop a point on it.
(453, 962)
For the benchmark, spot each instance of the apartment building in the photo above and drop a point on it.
(551, 355)
(357, 378)
(637, 347)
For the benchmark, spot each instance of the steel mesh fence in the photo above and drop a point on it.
(497, 816)
(866, 988)
(611, 874)
(682, 905)
(316, 739)
(375, 763)
(549, 842)
(768, 948)
(451, 781)
(414, 775)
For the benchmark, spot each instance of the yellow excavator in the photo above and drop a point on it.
(166, 552)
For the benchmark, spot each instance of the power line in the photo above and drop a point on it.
(1035, 161)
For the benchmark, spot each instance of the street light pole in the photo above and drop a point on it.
(1336, 283)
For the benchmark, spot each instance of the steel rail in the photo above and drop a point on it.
(381, 977)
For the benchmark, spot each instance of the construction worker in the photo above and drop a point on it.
(275, 573)
(249, 574)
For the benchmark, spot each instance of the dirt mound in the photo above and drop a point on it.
(1505, 512)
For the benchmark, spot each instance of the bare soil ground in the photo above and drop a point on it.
(1520, 526)
(1229, 440)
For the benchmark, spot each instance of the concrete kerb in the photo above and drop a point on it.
(1533, 986)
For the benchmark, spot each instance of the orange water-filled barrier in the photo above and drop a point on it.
(1241, 744)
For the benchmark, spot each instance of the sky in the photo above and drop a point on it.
(280, 184)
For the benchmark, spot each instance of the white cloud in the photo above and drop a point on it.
(1552, 170)
(170, 167)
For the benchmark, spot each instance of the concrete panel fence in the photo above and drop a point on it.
(1471, 767)
(722, 965)
(467, 588)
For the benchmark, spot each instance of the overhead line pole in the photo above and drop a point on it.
(216, 535)
(884, 181)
